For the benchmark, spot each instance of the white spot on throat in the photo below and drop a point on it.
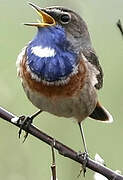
(43, 52)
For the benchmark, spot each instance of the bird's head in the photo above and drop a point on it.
(53, 54)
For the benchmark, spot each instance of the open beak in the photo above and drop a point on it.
(47, 20)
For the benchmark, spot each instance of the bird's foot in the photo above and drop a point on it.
(25, 122)
(85, 160)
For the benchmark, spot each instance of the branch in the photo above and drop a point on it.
(62, 149)
(119, 25)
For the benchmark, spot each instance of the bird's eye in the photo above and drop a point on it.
(65, 18)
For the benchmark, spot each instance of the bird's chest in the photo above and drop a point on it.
(76, 99)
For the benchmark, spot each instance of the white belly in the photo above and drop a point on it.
(79, 106)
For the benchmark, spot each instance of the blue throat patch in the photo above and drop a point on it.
(57, 61)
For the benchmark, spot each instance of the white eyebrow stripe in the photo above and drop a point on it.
(43, 52)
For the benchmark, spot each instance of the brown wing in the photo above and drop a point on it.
(93, 59)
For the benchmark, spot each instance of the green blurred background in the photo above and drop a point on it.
(32, 159)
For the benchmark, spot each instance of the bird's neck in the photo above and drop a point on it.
(50, 56)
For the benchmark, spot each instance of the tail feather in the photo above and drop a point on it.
(101, 114)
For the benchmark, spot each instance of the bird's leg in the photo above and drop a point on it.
(85, 154)
(25, 121)
(83, 137)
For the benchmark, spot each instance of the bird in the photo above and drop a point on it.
(59, 69)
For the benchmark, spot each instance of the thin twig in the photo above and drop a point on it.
(53, 166)
(62, 149)
(119, 25)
